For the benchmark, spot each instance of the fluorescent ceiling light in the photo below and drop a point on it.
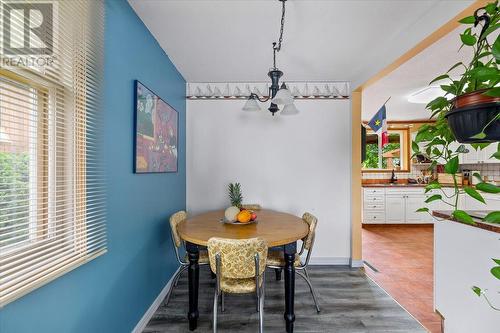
(426, 95)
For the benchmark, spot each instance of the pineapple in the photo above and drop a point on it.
(235, 195)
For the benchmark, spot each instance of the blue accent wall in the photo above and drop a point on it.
(111, 293)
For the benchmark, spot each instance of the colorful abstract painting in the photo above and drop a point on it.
(155, 133)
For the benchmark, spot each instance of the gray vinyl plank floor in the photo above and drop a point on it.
(349, 301)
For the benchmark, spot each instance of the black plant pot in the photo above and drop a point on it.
(468, 121)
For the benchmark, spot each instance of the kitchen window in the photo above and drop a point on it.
(395, 155)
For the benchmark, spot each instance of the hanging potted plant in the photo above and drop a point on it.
(471, 105)
(475, 105)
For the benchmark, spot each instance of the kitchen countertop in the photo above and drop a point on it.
(403, 185)
(393, 185)
(446, 215)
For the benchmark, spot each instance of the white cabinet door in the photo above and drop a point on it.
(395, 209)
(479, 156)
(414, 202)
(487, 152)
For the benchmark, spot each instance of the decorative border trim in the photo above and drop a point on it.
(241, 90)
(141, 325)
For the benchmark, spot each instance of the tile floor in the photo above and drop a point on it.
(403, 256)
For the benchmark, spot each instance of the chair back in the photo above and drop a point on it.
(312, 221)
(175, 219)
(251, 206)
(237, 256)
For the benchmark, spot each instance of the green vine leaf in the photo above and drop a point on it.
(462, 216)
(493, 92)
(495, 271)
(432, 186)
(434, 197)
(491, 8)
(476, 290)
(475, 194)
(493, 217)
(484, 73)
(488, 188)
(451, 166)
(495, 49)
(497, 153)
(477, 176)
(415, 147)
(479, 136)
(422, 210)
(439, 78)
(497, 261)
(480, 146)
(468, 20)
(468, 39)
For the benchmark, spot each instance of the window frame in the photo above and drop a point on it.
(44, 237)
(406, 158)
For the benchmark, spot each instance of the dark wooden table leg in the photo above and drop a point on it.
(278, 273)
(194, 278)
(290, 250)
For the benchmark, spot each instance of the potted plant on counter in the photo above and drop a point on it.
(471, 105)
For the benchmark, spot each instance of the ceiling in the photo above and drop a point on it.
(414, 76)
(217, 40)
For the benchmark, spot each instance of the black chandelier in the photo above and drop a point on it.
(279, 95)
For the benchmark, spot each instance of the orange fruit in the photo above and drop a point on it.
(244, 216)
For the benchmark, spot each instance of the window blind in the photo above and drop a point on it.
(52, 192)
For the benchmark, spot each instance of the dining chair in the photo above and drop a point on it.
(239, 265)
(275, 259)
(251, 206)
(177, 243)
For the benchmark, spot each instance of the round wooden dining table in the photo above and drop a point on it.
(280, 230)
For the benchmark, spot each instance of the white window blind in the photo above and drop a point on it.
(52, 194)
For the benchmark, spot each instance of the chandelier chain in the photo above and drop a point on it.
(280, 40)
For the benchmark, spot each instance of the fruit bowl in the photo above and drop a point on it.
(224, 220)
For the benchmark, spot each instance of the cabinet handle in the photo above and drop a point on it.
(374, 206)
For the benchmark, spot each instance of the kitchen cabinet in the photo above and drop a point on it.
(412, 203)
(479, 156)
(394, 209)
(374, 205)
(400, 204)
(492, 202)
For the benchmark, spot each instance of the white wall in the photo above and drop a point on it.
(293, 164)
(462, 259)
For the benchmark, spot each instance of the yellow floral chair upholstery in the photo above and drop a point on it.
(240, 266)
(276, 259)
(177, 242)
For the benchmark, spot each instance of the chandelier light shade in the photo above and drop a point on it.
(283, 96)
(278, 95)
(251, 105)
(289, 110)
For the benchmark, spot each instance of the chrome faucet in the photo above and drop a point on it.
(393, 177)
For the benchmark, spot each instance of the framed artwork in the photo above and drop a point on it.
(156, 130)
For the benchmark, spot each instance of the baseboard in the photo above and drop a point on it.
(357, 263)
(152, 308)
(329, 261)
